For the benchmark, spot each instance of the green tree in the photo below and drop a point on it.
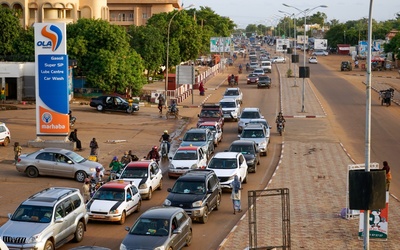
(104, 56)
(24, 46)
(393, 46)
(9, 30)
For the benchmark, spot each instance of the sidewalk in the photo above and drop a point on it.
(313, 167)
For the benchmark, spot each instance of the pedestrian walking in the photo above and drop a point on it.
(236, 193)
(94, 147)
(161, 102)
(17, 151)
(386, 167)
(3, 95)
(74, 138)
(201, 89)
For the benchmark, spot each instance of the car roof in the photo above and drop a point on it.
(251, 110)
(227, 100)
(187, 148)
(225, 155)
(197, 130)
(116, 184)
(55, 150)
(228, 89)
(253, 126)
(50, 196)
(243, 142)
(139, 164)
(196, 175)
(161, 212)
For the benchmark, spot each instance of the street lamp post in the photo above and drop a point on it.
(167, 62)
(306, 11)
(294, 44)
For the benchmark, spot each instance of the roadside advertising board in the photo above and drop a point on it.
(321, 44)
(220, 44)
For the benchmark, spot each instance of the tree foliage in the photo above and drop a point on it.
(9, 30)
(393, 46)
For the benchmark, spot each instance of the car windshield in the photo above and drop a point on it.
(253, 75)
(189, 187)
(110, 194)
(264, 78)
(256, 133)
(259, 122)
(219, 163)
(194, 137)
(227, 104)
(151, 227)
(37, 214)
(209, 113)
(250, 115)
(75, 157)
(244, 149)
(231, 93)
(134, 173)
(185, 155)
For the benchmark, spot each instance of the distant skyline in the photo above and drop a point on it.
(264, 11)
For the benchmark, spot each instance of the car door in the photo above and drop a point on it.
(60, 229)
(155, 175)
(130, 204)
(210, 141)
(44, 162)
(178, 222)
(63, 166)
(212, 198)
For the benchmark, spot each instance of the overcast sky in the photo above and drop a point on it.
(244, 12)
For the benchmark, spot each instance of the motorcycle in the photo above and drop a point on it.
(240, 70)
(72, 119)
(94, 186)
(164, 150)
(172, 113)
(280, 128)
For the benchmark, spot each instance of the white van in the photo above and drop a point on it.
(266, 66)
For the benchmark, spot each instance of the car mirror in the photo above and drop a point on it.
(170, 158)
(9, 215)
(169, 189)
(209, 191)
(59, 220)
(198, 115)
(177, 231)
(238, 136)
(127, 229)
(151, 176)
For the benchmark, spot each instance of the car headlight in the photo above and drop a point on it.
(171, 166)
(262, 144)
(115, 211)
(197, 204)
(122, 247)
(231, 178)
(194, 166)
(33, 239)
(167, 202)
(143, 186)
(251, 161)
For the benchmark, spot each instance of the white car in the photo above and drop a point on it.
(313, 60)
(215, 129)
(228, 164)
(247, 115)
(278, 59)
(254, 64)
(146, 175)
(5, 135)
(258, 134)
(185, 159)
(320, 53)
(114, 201)
(258, 71)
(230, 108)
(234, 93)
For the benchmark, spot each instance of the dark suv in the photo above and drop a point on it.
(250, 151)
(211, 112)
(346, 65)
(198, 192)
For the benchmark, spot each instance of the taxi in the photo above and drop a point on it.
(114, 201)
(146, 175)
(185, 159)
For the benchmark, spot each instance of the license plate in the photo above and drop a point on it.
(99, 216)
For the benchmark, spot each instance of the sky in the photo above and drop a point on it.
(244, 12)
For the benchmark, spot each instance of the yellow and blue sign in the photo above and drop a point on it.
(52, 105)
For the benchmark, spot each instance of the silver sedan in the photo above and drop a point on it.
(57, 162)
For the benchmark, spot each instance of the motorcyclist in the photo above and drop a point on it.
(153, 154)
(166, 137)
(173, 106)
(240, 67)
(232, 78)
(97, 176)
(126, 158)
(280, 119)
(116, 166)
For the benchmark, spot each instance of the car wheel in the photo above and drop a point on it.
(161, 184)
(189, 238)
(139, 206)
(80, 176)
(218, 202)
(49, 245)
(204, 218)
(245, 179)
(123, 217)
(32, 172)
(6, 142)
(79, 232)
(150, 194)
(100, 107)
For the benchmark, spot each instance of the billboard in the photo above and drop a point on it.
(220, 44)
(321, 44)
(362, 48)
(51, 79)
(301, 39)
(280, 43)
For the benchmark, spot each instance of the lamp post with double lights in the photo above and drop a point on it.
(167, 62)
(305, 71)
